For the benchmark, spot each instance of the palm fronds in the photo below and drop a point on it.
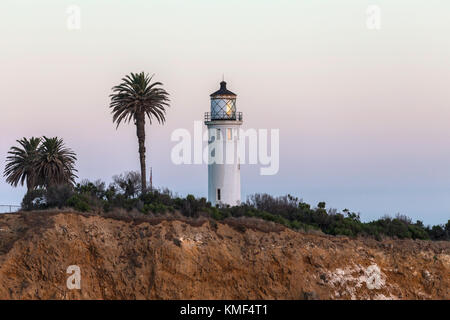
(136, 95)
(135, 99)
(40, 162)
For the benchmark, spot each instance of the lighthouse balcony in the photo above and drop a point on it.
(237, 116)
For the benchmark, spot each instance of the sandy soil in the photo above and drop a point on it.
(173, 259)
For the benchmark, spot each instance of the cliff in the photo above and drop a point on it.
(201, 259)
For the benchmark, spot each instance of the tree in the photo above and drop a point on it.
(20, 164)
(135, 99)
(128, 183)
(55, 164)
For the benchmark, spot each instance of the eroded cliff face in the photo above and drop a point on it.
(172, 259)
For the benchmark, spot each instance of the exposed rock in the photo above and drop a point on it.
(174, 259)
(426, 275)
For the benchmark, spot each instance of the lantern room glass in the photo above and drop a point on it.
(223, 108)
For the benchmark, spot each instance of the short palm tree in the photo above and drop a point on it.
(55, 164)
(135, 99)
(20, 164)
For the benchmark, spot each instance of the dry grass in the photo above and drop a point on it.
(241, 224)
(37, 219)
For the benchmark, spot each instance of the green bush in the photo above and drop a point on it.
(215, 213)
(79, 202)
(57, 196)
(418, 232)
(285, 210)
(34, 200)
(157, 208)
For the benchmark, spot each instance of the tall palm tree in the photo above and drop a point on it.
(55, 164)
(20, 163)
(137, 98)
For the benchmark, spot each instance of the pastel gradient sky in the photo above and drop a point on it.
(363, 114)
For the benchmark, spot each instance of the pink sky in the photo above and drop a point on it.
(363, 114)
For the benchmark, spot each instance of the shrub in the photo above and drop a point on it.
(157, 208)
(438, 233)
(215, 213)
(34, 200)
(124, 194)
(57, 196)
(128, 183)
(96, 189)
(79, 202)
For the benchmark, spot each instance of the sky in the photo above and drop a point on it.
(363, 113)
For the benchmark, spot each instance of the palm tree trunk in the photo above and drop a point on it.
(30, 181)
(140, 131)
(29, 184)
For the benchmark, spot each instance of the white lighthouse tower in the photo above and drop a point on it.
(223, 122)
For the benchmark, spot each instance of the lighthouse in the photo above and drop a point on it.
(223, 122)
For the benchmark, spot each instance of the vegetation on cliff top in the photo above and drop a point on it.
(125, 193)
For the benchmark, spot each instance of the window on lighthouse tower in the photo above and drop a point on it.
(218, 194)
(229, 134)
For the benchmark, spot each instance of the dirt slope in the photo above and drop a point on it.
(202, 260)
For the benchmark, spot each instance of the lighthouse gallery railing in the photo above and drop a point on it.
(223, 116)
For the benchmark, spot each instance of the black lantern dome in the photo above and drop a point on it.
(223, 91)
